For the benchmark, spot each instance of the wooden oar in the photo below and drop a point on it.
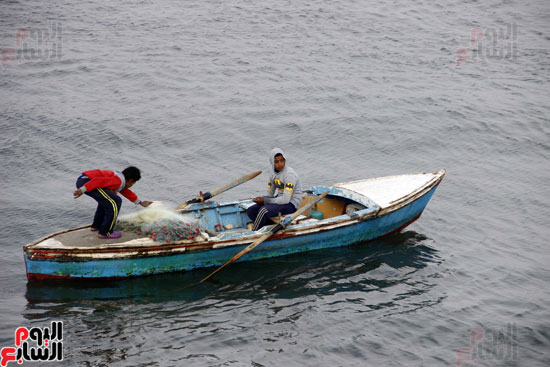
(276, 228)
(210, 194)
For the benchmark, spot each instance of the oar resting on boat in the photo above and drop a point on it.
(276, 228)
(210, 194)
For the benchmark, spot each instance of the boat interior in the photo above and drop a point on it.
(230, 217)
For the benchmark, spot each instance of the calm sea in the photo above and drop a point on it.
(196, 93)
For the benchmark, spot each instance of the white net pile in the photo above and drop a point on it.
(160, 224)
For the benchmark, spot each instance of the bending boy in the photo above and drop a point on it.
(103, 186)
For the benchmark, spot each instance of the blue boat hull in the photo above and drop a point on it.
(280, 245)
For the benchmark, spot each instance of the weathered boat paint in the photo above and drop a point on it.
(46, 259)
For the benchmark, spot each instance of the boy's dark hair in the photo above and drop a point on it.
(278, 154)
(132, 173)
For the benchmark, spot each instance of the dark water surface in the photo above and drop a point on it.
(196, 93)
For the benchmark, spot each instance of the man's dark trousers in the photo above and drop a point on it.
(261, 213)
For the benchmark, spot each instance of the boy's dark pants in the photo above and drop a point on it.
(261, 213)
(108, 206)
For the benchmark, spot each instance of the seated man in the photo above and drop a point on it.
(103, 186)
(284, 192)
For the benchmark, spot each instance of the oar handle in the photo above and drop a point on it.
(302, 210)
(200, 198)
(210, 194)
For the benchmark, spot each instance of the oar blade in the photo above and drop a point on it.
(239, 254)
(234, 183)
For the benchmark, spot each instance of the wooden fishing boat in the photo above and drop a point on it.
(353, 212)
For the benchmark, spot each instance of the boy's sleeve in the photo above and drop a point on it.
(94, 183)
(130, 195)
(287, 193)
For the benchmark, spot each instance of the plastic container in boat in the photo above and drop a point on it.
(315, 214)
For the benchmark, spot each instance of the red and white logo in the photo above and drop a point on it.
(35, 345)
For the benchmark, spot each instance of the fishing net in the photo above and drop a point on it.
(160, 224)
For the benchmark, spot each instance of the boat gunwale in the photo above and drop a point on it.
(48, 236)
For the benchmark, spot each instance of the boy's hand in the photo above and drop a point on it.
(145, 203)
(259, 200)
(77, 193)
